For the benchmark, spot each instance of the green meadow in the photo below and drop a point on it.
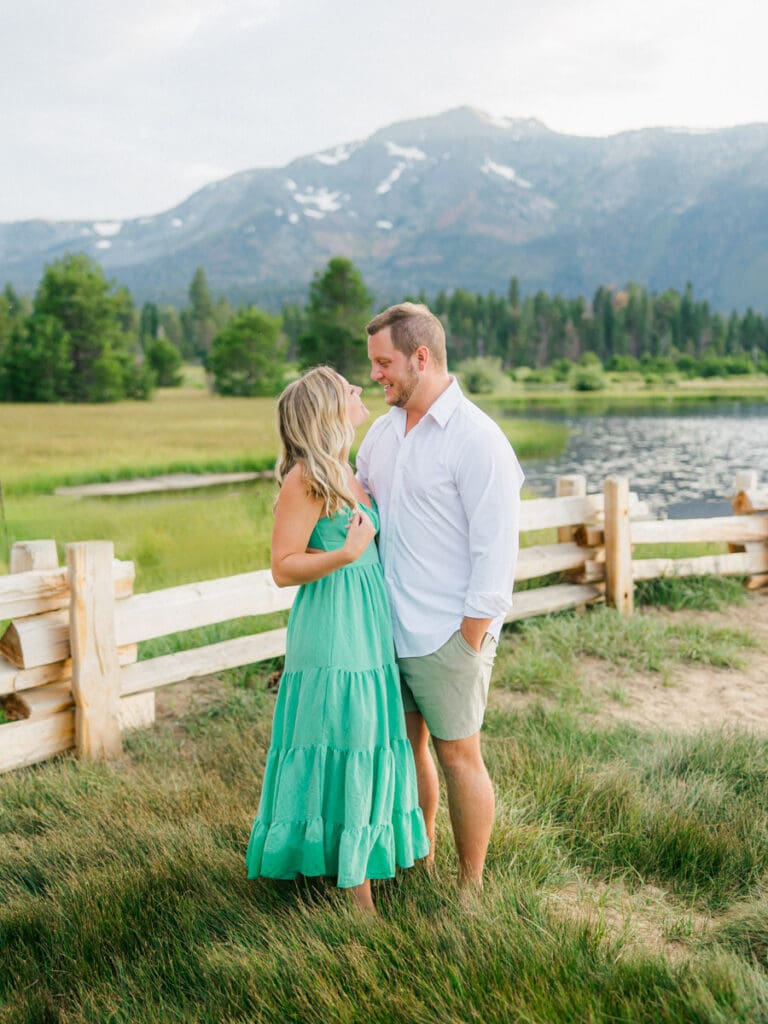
(172, 537)
(627, 876)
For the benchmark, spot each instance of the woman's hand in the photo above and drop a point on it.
(360, 533)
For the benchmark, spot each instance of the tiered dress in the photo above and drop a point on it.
(339, 796)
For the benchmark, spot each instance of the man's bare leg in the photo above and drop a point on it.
(471, 804)
(426, 776)
(361, 897)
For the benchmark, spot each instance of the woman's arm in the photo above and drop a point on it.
(296, 515)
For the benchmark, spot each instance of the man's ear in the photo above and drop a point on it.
(422, 357)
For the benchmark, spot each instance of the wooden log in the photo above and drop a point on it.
(202, 661)
(38, 640)
(546, 600)
(95, 668)
(161, 612)
(589, 536)
(39, 703)
(747, 502)
(28, 742)
(572, 486)
(593, 571)
(547, 513)
(43, 639)
(738, 563)
(33, 740)
(745, 480)
(725, 529)
(14, 679)
(547, 558)
(619, 591)
(757, 582)
(43, 590)
(31, 555)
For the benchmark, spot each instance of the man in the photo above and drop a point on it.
(447, 484)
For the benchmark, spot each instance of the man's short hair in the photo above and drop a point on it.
(411, 325)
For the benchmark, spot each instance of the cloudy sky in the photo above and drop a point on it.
(115, 109)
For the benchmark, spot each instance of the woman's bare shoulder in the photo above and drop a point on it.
(294, 489)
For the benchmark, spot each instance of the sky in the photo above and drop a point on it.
(114, 110)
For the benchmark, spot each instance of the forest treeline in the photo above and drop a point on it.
(83, 338)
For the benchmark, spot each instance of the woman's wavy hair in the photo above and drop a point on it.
(316, 434)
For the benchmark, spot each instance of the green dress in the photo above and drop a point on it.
(339, 796)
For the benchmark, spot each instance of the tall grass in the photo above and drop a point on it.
(123, 896)
(546, 656)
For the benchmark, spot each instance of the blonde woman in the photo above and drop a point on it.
(339, 796)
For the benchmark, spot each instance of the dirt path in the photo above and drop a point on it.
(697, 696)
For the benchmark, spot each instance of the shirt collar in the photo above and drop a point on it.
(446, 404)
(441, 409)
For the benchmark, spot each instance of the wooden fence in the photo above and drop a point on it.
(69, 672)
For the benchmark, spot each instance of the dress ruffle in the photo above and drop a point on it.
(315, 847)
(339, 793)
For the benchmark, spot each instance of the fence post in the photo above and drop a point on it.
(27, 555)
(619, 585)
(95, 666)
(572, 486)
(746, 481)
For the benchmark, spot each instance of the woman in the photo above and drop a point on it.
(339, 795)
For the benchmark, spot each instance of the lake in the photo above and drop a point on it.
(681, 461)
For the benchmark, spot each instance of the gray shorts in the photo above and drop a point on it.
(450, 686)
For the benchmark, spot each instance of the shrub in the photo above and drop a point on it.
(588, 378)
(481, 375)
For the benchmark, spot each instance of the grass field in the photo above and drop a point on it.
(626, 877)
(628, 869)
(173, 537)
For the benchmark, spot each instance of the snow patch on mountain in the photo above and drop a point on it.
(315, 214)
(337, 155)
(107, 228)
(391, 178)
(104, 243)
(325, 200)
(508, 173)
(408, 153)
(385, 225)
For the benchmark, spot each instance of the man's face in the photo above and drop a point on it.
(392, 369)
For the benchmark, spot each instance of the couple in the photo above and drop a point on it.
(350, 787)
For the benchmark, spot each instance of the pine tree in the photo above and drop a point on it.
(339, 308)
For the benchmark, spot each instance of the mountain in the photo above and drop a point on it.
(456, 200)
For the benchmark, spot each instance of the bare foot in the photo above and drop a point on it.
(361, 898)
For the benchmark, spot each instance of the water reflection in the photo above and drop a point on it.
(683, 462)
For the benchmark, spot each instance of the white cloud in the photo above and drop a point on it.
(116, 110)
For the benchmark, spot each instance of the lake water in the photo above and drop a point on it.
(682, 462)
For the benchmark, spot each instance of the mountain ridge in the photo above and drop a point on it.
(460, 199)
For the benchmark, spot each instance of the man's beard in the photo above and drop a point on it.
(406, 388)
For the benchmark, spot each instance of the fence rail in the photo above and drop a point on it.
(69, 669)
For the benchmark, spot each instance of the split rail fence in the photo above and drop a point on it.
(69, 669)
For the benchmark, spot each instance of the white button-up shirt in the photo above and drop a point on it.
(448, 493)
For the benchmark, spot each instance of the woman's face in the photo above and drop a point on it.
(356, 411)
